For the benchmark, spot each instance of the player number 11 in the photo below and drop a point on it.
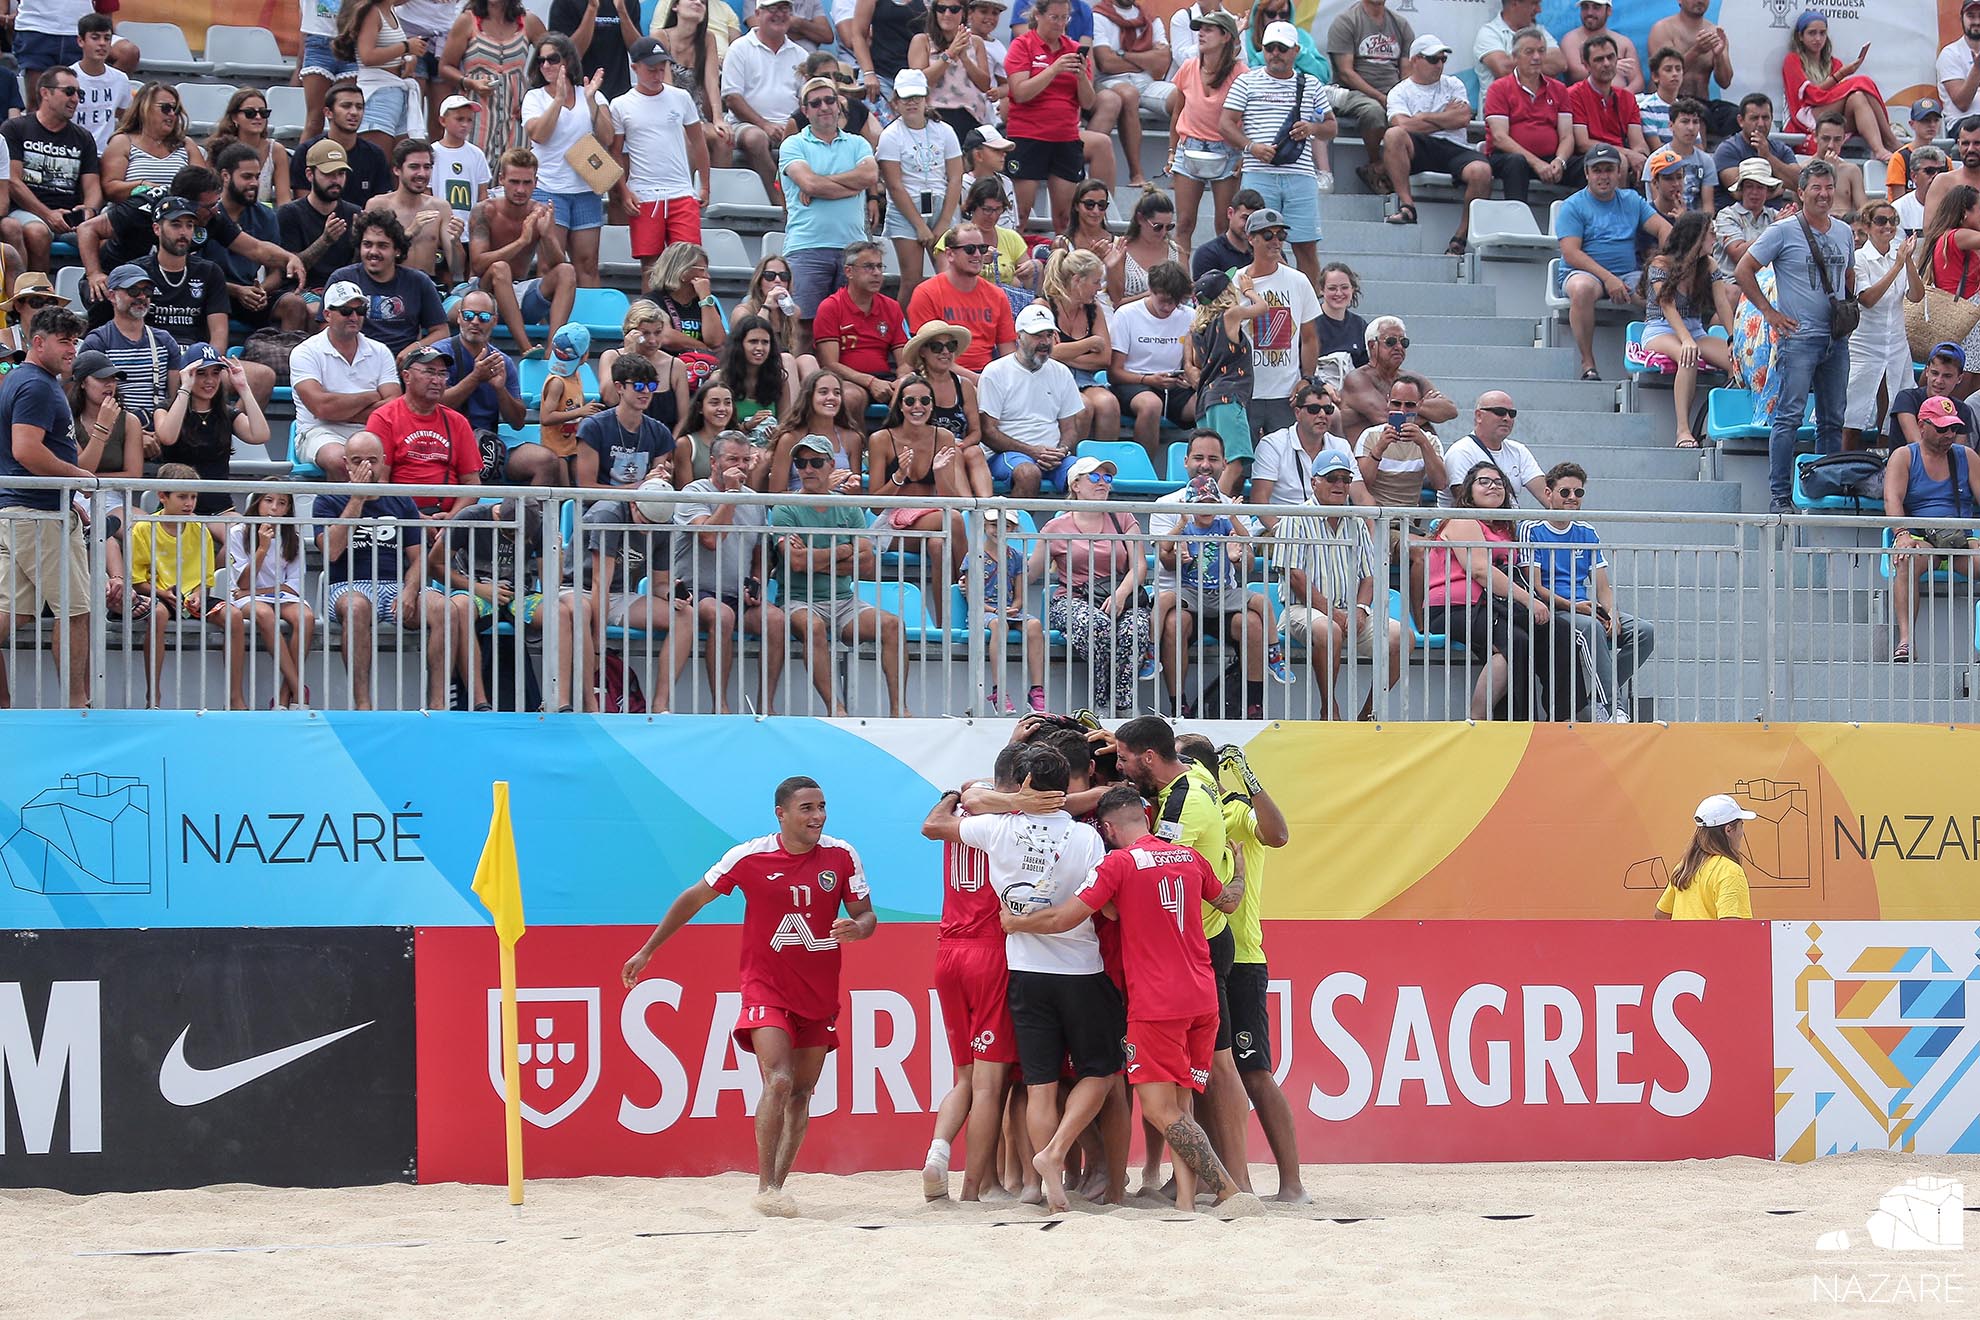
(801, 896)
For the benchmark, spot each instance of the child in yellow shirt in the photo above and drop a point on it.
(172, 563)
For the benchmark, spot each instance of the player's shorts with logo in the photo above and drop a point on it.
(1056, 1014)
(973, 985)
(1251, 1022)
(1223, 953)
(1175, 1050)
(805, 1033)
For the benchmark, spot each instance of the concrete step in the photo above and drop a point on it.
(1406, 297)
(1675, 496)
(1513, 365)
(1356, 235)
(1561, 433)
(1439, 218)
(1388, 264)
(1594, 400)
(1495, 331)
(1617, 467)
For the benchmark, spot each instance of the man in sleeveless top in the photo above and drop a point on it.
(1932, 478)
(507, 231)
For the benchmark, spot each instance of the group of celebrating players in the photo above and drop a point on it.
(1099, 946)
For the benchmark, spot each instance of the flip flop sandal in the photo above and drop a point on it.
(1591, 374)
(1689, 442)
(1373, 179)
(1454, 248)
(1902, 655)
(1404, 215)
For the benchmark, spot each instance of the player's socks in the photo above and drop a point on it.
(935, 1171)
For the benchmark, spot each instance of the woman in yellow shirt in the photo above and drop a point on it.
(1709, 884)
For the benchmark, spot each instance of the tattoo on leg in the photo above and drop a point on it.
(1192, 1147)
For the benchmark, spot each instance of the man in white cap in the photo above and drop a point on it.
(338, 375)
(1033, 416)
(663, 150)
(1273, 116)
(460, 168)
(1326, 563)
(1595, 23)
(1428, 115)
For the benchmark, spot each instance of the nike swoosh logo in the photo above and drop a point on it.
(185, 1085)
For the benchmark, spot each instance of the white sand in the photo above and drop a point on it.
(1603, 1240)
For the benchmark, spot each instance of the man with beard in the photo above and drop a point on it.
(55, 177)
(430, 224)
(317, 225)
(1707, 59)
(510, 230)
(1958, 68)
(405, 304)
(1966, 147)
(371, 173)
(250, 283)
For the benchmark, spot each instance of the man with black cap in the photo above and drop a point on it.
(1285, 342)
(663, 150)
(126, 231)
(1598, 229)
(319, 225)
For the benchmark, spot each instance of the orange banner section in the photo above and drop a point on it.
(195, 16)
(1558, 822)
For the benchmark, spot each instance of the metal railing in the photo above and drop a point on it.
(551, 599)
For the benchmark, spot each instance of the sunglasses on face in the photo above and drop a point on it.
(974, 249)
(644, 386)
(942, 346)
(549, 57)
(1333, 478)
(813, 461)
(821, 103)
(1317, 409)
(1435, 59)
(477, 317)
(68, 91)
(1507, 413)
(776, 277)
(1276, 46)
(1093, 204)
(1394, 341)
(1883, 222)
(1569, 492)
(1929, 171)
(919, 401)
(948, 9)
(168, 108)
(1100, 478)
(1162, 229)
(1271, 235)
(254, 112)
(355, 309)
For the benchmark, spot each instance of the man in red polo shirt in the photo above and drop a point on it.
(1529, 129)
(427, 443)
(1051, 82)
(961, 296)
(859, 329)
(1604, 111)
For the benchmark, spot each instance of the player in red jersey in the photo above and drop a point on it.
(1154, 888)
(792, 883)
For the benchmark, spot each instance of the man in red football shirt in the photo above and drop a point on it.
(792, 884)
(859, 329)
(1153, 888)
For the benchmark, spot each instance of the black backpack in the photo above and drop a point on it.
(1858, 476)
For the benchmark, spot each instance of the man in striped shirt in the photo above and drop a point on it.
(1327, 566)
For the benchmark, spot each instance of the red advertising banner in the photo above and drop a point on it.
(1395, 1041)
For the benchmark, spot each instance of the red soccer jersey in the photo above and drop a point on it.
(969, 900)
(1156, 887)
(867, 340)
(431, 449)
(1606, 120)
(789, 958)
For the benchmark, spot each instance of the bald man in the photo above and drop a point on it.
(1491, 441)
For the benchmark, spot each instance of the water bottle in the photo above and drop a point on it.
(783, 302)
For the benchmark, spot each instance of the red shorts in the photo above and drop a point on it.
(973, 986)
(805, 1033)
(1171, 1050)
(657, 224)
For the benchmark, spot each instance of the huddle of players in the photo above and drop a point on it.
(1100, 933)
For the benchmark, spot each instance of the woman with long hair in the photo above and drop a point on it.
(695, 49)
(109, 442)
(769, 296)
(1218, 352)
(711, 412)
(678, 283)
(1879, 353)
(931, 355)
(911, 456)
(1094, 595)
(246, 121)
(213, 408)
(820, 410)
(1820, 86)
(388, 59)
(265, 555)
(641, 333)
(1200, 156)
(1676, 288)
(560, 108)
(1086, 223)
(1472, 596)
(150, 144)
(1709, 883)
(1950, 260)
(1072, 291)
(958, 66)
(1150, 241)
(754, 371)
(487, 58)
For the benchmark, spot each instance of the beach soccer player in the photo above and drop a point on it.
(1154, 888)
(793, 884)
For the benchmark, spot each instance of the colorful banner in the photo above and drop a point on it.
(1395, 1041)
(1876, 1032)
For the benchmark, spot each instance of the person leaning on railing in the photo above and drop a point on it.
(722, 565)
(1930, 478)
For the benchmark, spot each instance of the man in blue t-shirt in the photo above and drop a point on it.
(1598, 229)
(374, 563)
(43, 562)
(483, 384)
(1569, 573)
(1806, 357)
(405, 305)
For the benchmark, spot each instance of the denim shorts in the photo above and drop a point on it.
(318, 58)
(535, 308)
(385, 112)
(815, 273)
(1294, 194)
(1005, 463)
(45, 50)
(1206, 173)
(575, 211)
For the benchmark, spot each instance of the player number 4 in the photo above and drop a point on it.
(1170, 890)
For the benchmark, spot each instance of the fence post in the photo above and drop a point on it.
(99, 623)
(974, 613)
(553, 583)
(1777, 536)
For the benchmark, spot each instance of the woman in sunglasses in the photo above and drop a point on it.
(1086, 228)
(1150, 241)
(769, 296)
(641, 333)
(1879, 351)
(149, 146)
(958, 67)
(246, 120)
(1094, 595)
(913, 457)
(1073, 292)
(931, 355)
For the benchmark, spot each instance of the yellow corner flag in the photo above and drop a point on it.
(499, 888)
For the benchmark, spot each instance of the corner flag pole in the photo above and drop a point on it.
(499, 887)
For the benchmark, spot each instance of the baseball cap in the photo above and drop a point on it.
(1926, 107)
(647, 51)
(129, 276)
(171, 208)
(1263, 219)
(1210, 285)
(1948, 349)
(1939, 411)
(650, 503)
(423, 354)
(987, 136)
(343, 293)
(1601, 154)
(816, 85)
(1280, 34)
(1086, 466)
(1753, 170)
(201, 355)
(95, 364)
(1036, 320)
(910, 82)
(1720, 809)
(454, 103)
(328, 157)
(1663, 161)
(1220, 19)
(568, 348)
(1429, 45)
(816, 444)
(1968, 5)
(1333, 460)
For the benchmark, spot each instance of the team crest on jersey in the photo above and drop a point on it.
(1244, 1044)
(828, 880)
(196, 289)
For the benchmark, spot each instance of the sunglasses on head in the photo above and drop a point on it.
(477, 317)
(1394, 341)
(813, 461)
(1507, 413)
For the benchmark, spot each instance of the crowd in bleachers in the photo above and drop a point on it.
(418, 280)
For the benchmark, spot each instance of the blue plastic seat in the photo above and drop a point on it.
(904, 600)
(1134, 475)
(1826, 503)
(1178, 470)
(532, 372)
(1729, 416)
(1937, 575)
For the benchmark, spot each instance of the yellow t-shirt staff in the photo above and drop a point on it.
(1709, 884)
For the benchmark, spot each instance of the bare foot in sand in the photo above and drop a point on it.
(776, 1205)
(1095, 1185)
(1052, 1174)
(1240, 1205)
(992, 1194)
(1033, 1194)
(935, 1181)
(1293, 1195)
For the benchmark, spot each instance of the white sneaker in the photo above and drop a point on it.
(1325, 180)
(1619, 714)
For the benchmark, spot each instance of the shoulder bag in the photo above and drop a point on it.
(1289, 148)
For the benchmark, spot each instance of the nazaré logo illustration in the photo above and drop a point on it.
(1919, 1214)
(91, 834)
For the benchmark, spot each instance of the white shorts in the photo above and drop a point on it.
(619, 606)
(1153, 91)
(1301, 623)
(310, 443)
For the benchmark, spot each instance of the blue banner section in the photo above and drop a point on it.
(118, 819)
